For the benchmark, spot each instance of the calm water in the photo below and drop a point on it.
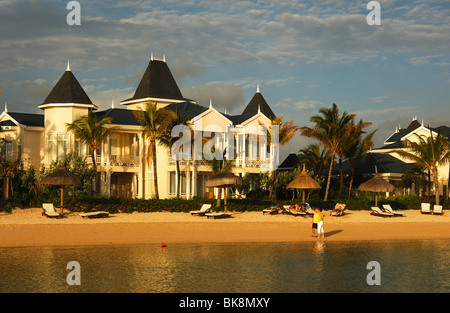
(416, 266)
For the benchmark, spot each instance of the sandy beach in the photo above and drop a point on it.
(28, 227)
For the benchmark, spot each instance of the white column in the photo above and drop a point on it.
(188, 185)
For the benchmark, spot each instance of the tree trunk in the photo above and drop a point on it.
(219, 195)
(436, 184)
(155, 172)
(341, 177)
(352, 175)
(94, 164)
(272, 184)
(329, 178)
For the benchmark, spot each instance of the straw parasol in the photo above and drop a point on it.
(376, 184)
(303, 181)
(224, 179)
(61, 177)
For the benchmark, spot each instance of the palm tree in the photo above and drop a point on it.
(430, 152)
(285, 133)
(154, 123)
(167, 140)
(357, 146)
(92, 132)
(331, 129)
(314, 158)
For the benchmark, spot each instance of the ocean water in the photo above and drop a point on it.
(319, 266)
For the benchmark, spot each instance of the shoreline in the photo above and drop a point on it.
(28, 228)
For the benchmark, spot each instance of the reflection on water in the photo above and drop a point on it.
(319, 266)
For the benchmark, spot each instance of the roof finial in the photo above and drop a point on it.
(396, 129)
(422, 123)
(6, 107)
(151, 56)
(257, 87)
(210, 103)
(112, 104)
(68, 65)
(164, 58)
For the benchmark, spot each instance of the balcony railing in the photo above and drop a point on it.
(248, 163)
(116, 160)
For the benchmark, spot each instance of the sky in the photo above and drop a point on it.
(304, 55)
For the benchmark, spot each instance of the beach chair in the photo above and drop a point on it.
(425, 208)
(49, 210)
(387, 208)
(377, 212)
(203, 210)
(309, 210)
(95, 214)
(218, 215)
(437, 209)
(338, 210)
(271, 210)
(287, 210)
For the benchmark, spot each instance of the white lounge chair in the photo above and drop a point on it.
(387, 208)
(49, 210)
(96, 214)
(425, 208)
(437, 209)
(203, 210)
(377, 212)
(218, 215)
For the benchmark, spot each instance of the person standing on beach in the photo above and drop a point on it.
(320, 233)
(316, 222)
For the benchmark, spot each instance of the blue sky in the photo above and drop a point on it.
(304, 54)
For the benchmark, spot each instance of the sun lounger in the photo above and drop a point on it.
(95, 214)
(49, 210)
(287, 210)
(338, 210)
(203, 210)
(271, 210)
(437, 209)
(387, 208)
(425, 208)
(218, 215)
(377, 212)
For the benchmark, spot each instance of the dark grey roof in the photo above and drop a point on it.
(67, 90)
(289, 163)
(239, 119)
(385, 163)
(28, 119)
(186, 110)
(157, 82)
(256, 102)
(403, 131)
(119, 116)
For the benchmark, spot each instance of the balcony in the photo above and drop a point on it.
(116, 160)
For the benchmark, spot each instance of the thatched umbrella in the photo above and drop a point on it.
(61, 177)
(303, 181)
(224, 179)
(376, 184)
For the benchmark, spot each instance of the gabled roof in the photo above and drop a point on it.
(259, 103)
(27, 119)
(157, 82)
(186, 110)
(398, 135)
(289, 163)
(119, 116)
(68, 90)
(385, 163)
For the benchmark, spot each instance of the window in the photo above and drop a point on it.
(62, 145)
(114, 149)
(6, 150)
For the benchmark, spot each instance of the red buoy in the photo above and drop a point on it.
(163, 245)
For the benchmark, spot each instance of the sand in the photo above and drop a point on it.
(24, 228)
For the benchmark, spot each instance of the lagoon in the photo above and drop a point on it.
(318, 266)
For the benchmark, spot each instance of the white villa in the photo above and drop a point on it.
(122, 164)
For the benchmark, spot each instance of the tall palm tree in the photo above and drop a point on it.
(167, 140)
(92, 132)
(154, 123)
(430, 152)
(331, 130)
(357, 146)
(285, 133)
